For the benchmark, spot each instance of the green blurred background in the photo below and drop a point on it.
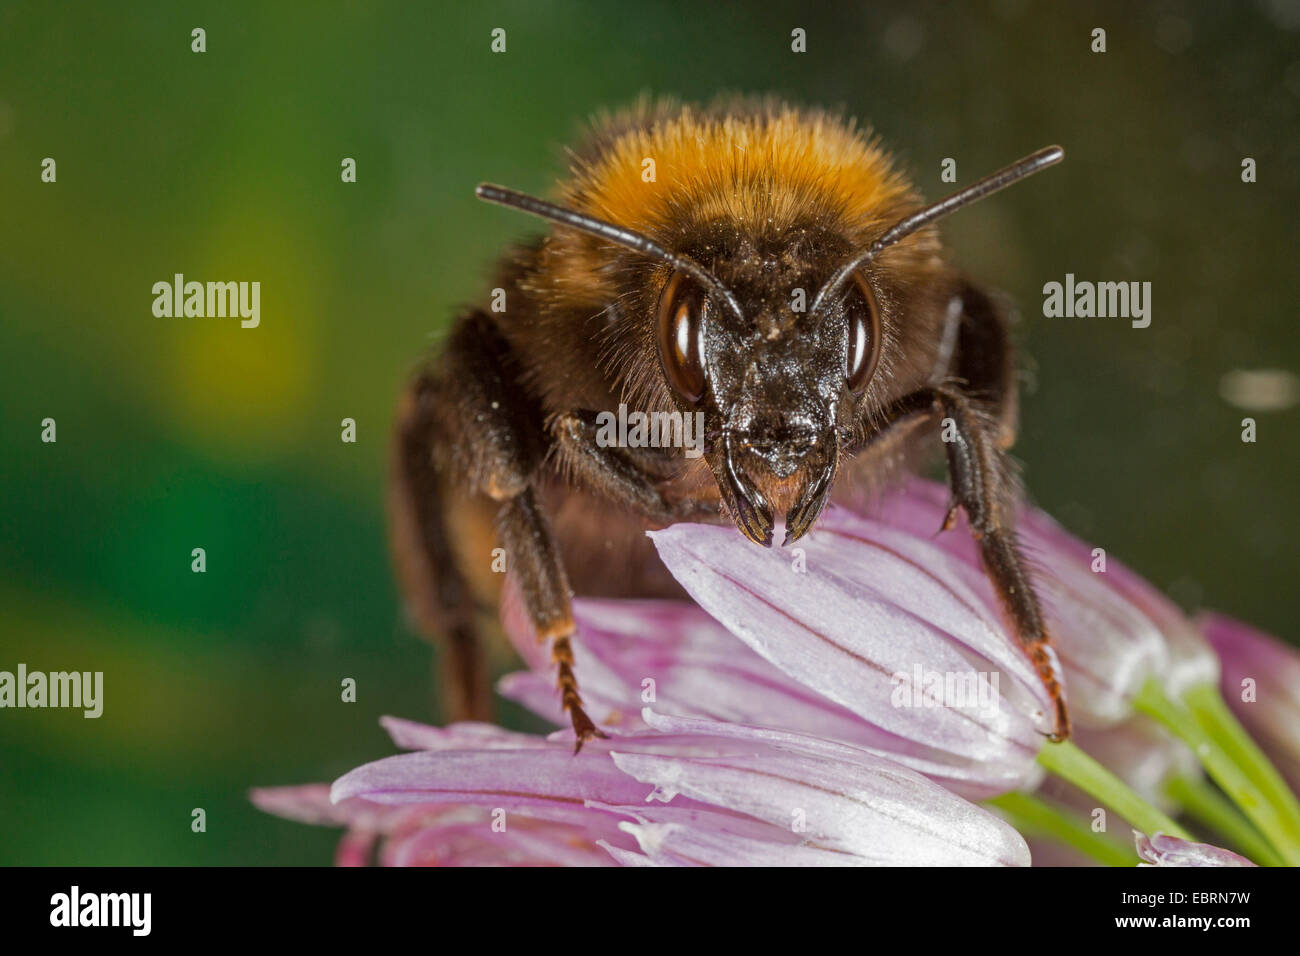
(183, 433)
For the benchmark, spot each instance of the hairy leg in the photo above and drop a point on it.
(526, 535)
(438, 596)
(467, 422)
(628, 476)
(976, 415)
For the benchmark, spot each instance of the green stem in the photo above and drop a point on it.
(1209, 806)
(1212, 713)
(1153, 702)
(1070, 763)
(1036, 817)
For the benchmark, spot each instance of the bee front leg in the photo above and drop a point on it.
(468, 426)
(526, 534)
(980, 475)
(625, 475)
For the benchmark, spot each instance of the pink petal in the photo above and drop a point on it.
(1106, 628)
(672, 654)
(355, 848)
(733, 792)
(1163, 850)
(699, 669)
(1189, 661)
(524, 842)
(466, 735)
(874, 603)
(867, 807)
(547, 781)
(669, 844)
(310, 803)
(970, 780)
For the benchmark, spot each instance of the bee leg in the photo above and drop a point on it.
(475, 426)
(987, 492)
(619, 474)
(464, 437)
(438, 595)
(984, 361)
(980, 474)
(982, 485)
(526, 534)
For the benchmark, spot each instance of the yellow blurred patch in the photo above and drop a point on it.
(246, 394)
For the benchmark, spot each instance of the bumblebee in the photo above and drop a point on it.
(764, 265)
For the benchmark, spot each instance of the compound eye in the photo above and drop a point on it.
(680, 330)
(864, 334)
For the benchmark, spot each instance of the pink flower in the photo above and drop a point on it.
(838, 703)
(688, 792)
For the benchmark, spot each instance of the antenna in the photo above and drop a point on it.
(1033, 163)
(605, 230)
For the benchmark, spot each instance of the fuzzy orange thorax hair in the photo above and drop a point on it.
(761, 165)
